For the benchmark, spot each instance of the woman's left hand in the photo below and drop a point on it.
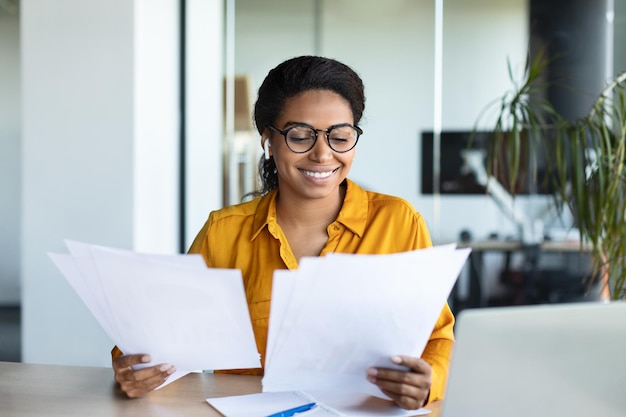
(409, 389)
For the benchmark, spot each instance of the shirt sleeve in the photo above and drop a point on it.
(200, 244)
(437, 353)
(439, 347)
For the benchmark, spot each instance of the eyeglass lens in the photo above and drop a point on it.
(340, 138)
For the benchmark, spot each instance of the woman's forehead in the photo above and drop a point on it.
(316, 106)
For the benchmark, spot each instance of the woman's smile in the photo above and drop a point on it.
(319, 174)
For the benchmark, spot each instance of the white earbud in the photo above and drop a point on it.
(266, 149)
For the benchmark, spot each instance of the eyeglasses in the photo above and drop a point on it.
(301, 138)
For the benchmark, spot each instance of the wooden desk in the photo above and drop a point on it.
(66, 391)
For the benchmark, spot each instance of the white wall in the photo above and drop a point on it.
(204, 113)
(99, 133)
(10, 163)
(156, 140)
(268, 32)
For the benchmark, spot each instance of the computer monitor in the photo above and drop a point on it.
(453, 181)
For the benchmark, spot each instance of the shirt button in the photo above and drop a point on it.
(337, 227)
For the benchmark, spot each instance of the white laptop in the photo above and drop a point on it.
(558, 360)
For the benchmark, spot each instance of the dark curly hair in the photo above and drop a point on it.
(295, 76)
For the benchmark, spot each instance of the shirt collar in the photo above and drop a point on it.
(265, 213)
(353, 213)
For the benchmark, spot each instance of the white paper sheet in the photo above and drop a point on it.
(281, 294)
(79, 249)
(268, 403)
(350, 312)
(328, 404)
(80, 273)
(356, 404)
(171, 307)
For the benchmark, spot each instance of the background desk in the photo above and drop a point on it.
(66, 391)
(477, 292)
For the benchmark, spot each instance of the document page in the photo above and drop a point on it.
(171, 307)
(268, 404)
(350, 312)
(326, 404)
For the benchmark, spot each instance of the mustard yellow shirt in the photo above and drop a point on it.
(248, 237)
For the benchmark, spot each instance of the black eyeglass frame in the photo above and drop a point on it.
(326, 131)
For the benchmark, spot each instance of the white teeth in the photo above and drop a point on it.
(318, 174)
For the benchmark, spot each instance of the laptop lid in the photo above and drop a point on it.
(551, 360)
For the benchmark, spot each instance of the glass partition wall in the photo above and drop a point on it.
(259, 35)
(481, 37)
(390, 44)
(428, 66)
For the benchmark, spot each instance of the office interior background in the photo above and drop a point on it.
(113, 129)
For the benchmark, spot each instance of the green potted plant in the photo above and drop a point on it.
(585, 161)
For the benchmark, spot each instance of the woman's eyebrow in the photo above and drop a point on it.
(291, 123)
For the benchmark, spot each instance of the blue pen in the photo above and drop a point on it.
(292, 411)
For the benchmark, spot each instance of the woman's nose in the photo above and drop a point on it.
(321, 150)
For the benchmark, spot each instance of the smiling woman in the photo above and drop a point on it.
(307, 113)
(318, 172)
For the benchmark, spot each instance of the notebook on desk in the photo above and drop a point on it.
(559, 360)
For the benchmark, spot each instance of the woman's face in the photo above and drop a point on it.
(315, 174)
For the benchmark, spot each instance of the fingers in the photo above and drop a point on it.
(410, 388)
(404, 401)
(417, 365)
(136, 383)
(126, 361)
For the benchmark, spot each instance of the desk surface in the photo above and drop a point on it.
(65, 391)
(513, 245)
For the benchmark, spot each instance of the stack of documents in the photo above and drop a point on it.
(330, 320)
(338, 315)
(171, 307)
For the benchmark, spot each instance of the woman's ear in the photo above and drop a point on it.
(266, 148)
(265, 142)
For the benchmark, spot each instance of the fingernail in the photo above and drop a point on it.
(371, 379)
(372, 371)
(396, 359)
(171, 370)
(145, 359)
(165, 367)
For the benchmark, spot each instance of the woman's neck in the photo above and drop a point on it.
(306, 213)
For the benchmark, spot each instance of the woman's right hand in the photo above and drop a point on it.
(136, 383)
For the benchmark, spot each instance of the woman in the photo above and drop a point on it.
(307, 113)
